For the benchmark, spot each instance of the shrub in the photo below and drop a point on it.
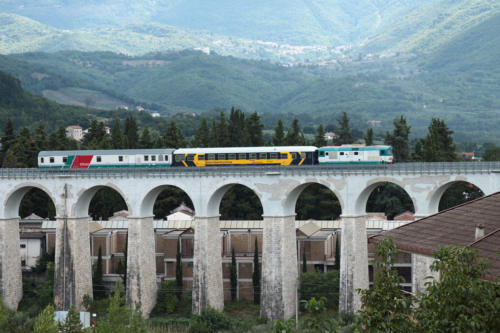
(321, 285)
(213, 320)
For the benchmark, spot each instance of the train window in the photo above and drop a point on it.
(120, 158)
(341, 153)
(41, 160)
(166, 158)
(302, 155)
(98, 158)
(160, 158)
(322, 153)
(262, 156)
(190, 157)
(252, 156)
(211, 157)
(153, 157)
(242, 156)
(294, 156)
(65, 159)
(51, 160)
(179, 158)
(231, 156)
(221, 157)
(274, 156)
(201, 157)
(355, 153)
(284, 156)
(146, 158)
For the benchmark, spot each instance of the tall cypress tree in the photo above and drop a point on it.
(202, 137)
(97, 280)
(295, 137)
(369, 137)
(178, 269)
(223, 131)
(438, 145)
(214, 135)
(238, 134)
(254, 127)
(173, 137)
(146, 141)
(337, 251)
(304, 260)
(344, 134)
(279, 135)
(234, 276)
(319, 139)
(117, 135)
(399, 140)
(131, 133)
(256, 274)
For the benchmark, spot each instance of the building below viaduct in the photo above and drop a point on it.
(277, 188)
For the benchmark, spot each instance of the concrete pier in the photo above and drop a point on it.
(73, 267)
(141, 264)
(207, 270)
(10, 263)
(279, 268)
(421, 270)
(353, 263)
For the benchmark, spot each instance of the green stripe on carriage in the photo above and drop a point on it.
(354, 162)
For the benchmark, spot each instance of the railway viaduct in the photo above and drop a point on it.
(277, 188)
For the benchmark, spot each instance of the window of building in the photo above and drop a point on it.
(98, 158)
(51, 160)
(405, 272)
(120, 158)
(320, 268)
(23, 246)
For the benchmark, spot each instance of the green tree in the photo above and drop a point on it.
(279, 135)
(178, 269)
(390, 199)
(72, 323)
(438, 145)
(202, 137)
(97, 279)
(344, 133)
(44, 322)
(234, 276)
(295, 137)
(117, 135)
(256, 274)
(166, 300)
(369, 137)
(10, 160)
(254, 128)
(95, 137)
(399, 141)
(238, 133)
(7, 139)
(385, 308)
(41, 140)
(223, 132)
(214, 135)
(319, 139)
(146, 141)
(173, 137)
(131, 133)
(461, 300)
(492, 153)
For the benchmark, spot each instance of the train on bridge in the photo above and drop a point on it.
(206, 157)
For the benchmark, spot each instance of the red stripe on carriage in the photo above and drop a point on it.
(81, 162)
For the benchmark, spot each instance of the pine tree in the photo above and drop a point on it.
(238, 134)
(254, 129)
(279, 135)
(173, 137)
(202, 137)
(295, 137)
(438, 145)
(8, 138)
(399, 140)
(116, 135)
(146, 141)
(10, 160)
(41, 141)
(97, 278)
(234, 276)
(319, 139)
(256, 274)
(72, 323)
(131, 133)
(178, 269)
(223, 131)
(214, 135)
(337, 251)
(369, 137)
(344, 134)
(44, 322)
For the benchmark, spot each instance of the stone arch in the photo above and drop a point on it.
(292, 197)
(81, 207)
(14, 198)
(362, 200)
(147, 204)
(215, 199)
(435, 198)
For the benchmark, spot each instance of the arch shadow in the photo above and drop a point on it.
(14, 198)
(150, 199)
(364, 196)
(293, 196)
(436, 204)
(82, 205)
(215, 200)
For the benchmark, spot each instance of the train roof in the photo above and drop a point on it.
(106, 152)
(236, 150)
(356, 147)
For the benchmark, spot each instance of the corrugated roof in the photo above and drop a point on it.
(454, 226)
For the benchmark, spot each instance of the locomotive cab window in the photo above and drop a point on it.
(51, 160)
(341, 153)
(98, 158)
(120, 158)
(356, 153)
(322, 153)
